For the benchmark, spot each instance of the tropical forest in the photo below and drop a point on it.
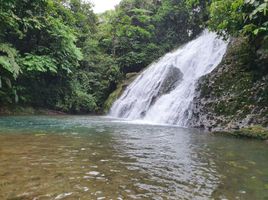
(143, 99)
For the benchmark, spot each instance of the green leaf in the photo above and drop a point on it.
(8, 59)
(39, 63)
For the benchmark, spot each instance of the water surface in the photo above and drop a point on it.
(83, 157)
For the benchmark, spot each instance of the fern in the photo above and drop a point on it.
(39, 63)
(8, 62)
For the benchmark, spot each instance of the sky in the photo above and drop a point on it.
(103, 5)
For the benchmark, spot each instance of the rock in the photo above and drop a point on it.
(172, 79)
(130, 77)
(232, 97)
(235, 127)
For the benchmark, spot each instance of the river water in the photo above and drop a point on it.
(88, 157)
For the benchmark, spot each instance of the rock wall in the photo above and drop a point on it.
(130, 77)
(235, 94)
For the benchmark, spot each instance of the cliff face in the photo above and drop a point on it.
(235, 94)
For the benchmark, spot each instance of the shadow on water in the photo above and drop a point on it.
(81, 157)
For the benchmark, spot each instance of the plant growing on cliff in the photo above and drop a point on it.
(235, 17)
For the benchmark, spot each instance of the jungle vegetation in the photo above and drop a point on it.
(60, 55)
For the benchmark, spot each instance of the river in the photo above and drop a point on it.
(90, 157)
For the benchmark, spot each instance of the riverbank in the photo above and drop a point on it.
(253, 132)
(21, 110)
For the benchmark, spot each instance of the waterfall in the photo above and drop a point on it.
(164, 91)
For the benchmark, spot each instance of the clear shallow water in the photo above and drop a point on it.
(67, 157)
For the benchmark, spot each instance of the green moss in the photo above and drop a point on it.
(236, 165)
(236, 87)
(27, 110)
(112, 98)
(17, 110)
(130, 77)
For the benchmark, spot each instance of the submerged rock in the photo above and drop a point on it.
(256, 132)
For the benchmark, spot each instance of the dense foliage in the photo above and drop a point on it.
(58, 54)
(38, 50)
(247, 18)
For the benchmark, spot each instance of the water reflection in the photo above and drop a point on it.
(176, 165)
(95, 158)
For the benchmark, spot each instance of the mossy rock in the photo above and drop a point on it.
(112, 98)
(130, 77)
(255, 132)
(235, 89)
(17, 110)
(27, 110)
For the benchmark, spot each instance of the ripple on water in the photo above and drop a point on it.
(63, 195)
(127, 162)
(84, 189)
(93, 173)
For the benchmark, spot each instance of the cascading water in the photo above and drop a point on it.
(163, 93)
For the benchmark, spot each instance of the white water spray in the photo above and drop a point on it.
(163, 93)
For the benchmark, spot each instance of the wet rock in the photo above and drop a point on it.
(130, 77)
(232, 96)
(173, 78)
(233, 127)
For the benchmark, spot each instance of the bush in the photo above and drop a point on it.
(78, 102)
(84, 103)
